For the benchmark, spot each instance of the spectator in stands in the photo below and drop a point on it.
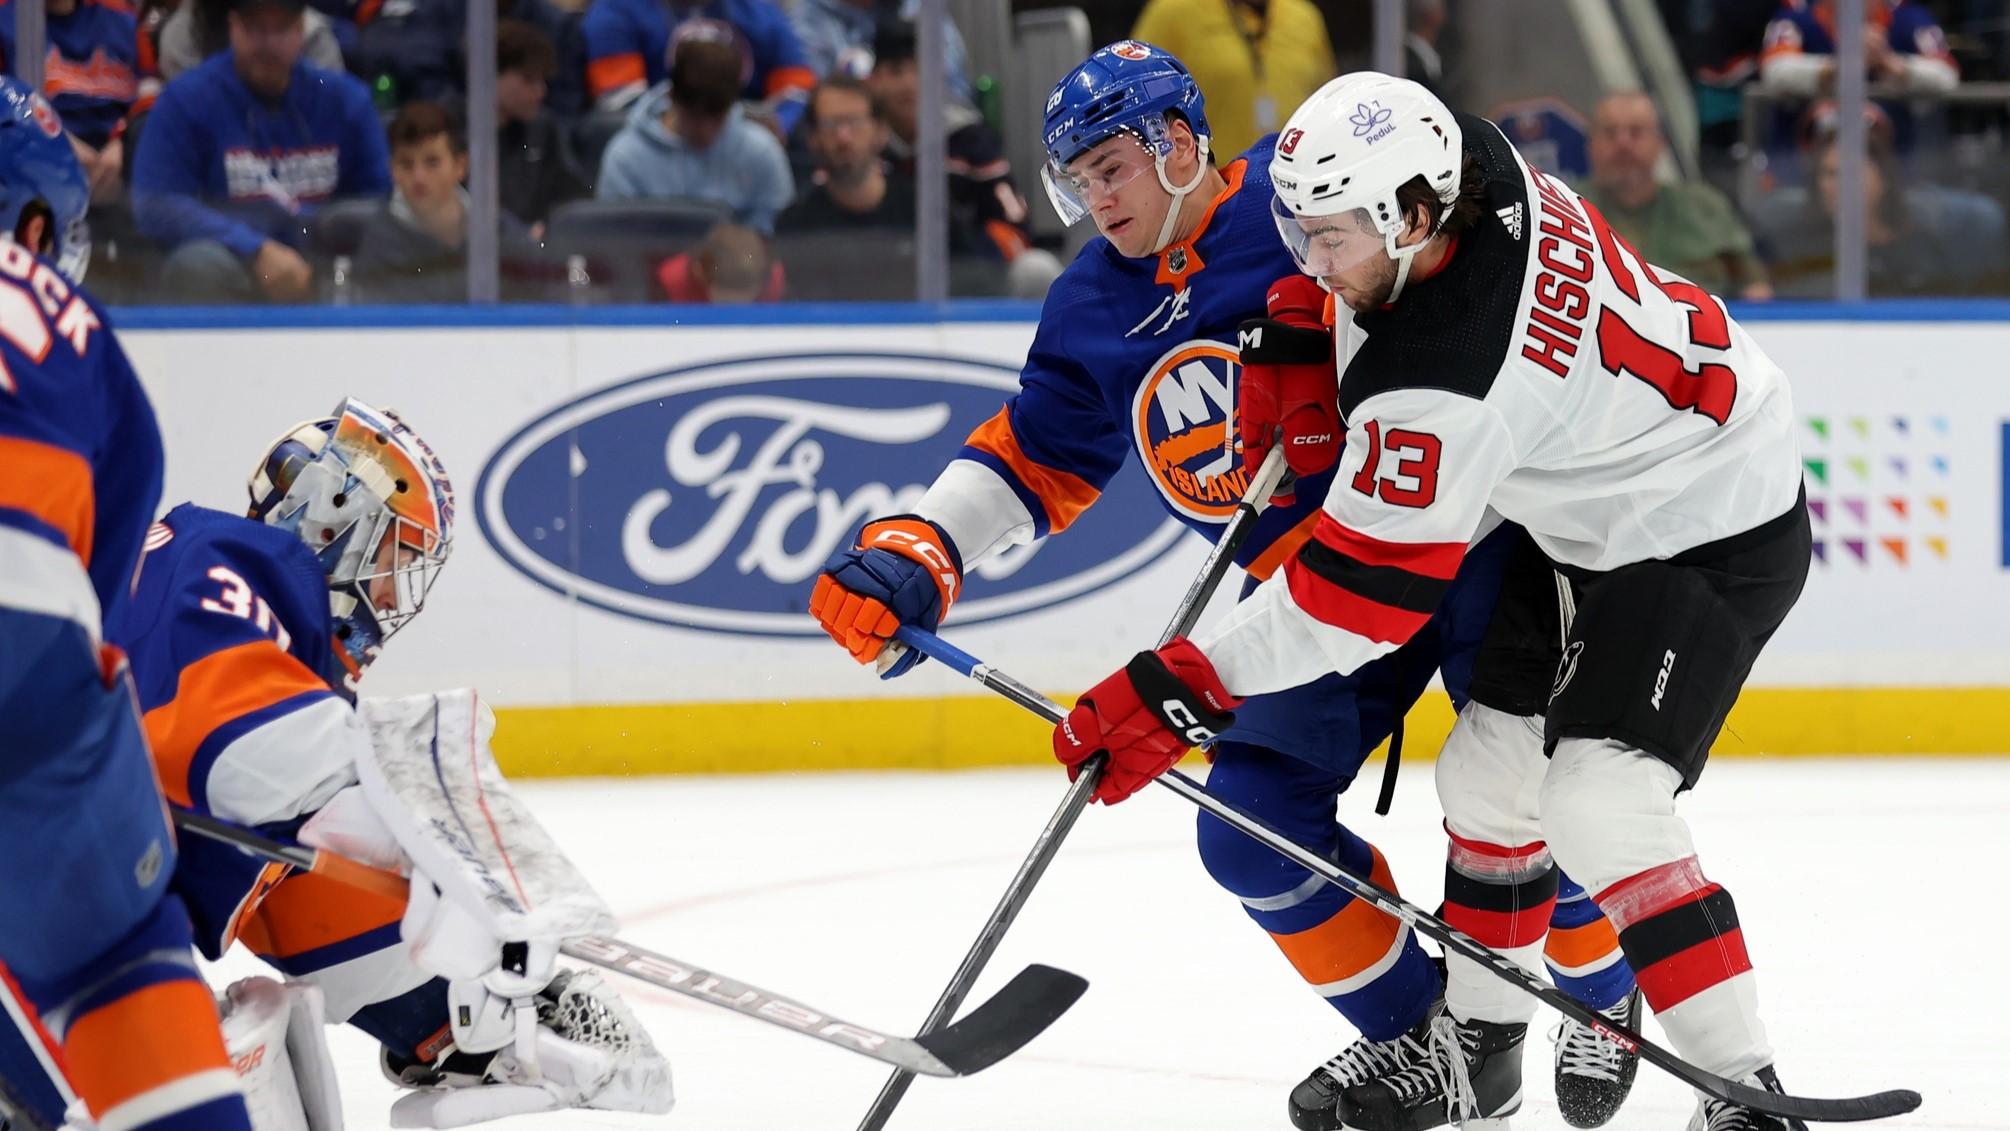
(982, 196)
(1689, 228)
(1424, 23)
(534, 156)
(690, 138)
(91, 77)
(1922, 239)
(1902, 46)
(838, 36)
(413, 49)
(1256, 59)
(199, 29)
(415, 248)
(240, 151)
(732, 267)
(629, 45)
(853, 188)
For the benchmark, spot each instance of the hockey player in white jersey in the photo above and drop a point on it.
(1510, 355)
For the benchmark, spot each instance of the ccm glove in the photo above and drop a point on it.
(1146, 717)
(904, 570)
(1290, 390)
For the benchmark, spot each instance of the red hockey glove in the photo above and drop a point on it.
(1290, 389)
(1147, 716)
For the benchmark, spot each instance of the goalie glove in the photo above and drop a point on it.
(586, 1050)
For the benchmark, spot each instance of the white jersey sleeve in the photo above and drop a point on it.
(1411, 494)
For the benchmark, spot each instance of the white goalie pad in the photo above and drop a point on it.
(277, 1038)
(435, 784)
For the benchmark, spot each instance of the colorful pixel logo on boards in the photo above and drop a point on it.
(1879, 489)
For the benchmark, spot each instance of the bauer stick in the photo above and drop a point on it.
(999, 1027)
(1255, 497)
(1881, 1105)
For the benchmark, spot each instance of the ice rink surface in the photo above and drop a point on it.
(1870, 893)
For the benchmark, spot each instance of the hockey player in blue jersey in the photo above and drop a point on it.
(1137, 352)
(248, 635)
(103, 1001)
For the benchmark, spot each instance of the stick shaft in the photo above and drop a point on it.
(1255, 498)
(1879, 1106)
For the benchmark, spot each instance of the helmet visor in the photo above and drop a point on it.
(1103, 171)
(1328, 245)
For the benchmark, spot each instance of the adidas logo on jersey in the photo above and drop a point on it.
(1511, 219)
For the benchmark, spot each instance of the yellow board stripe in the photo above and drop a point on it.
(962, 732)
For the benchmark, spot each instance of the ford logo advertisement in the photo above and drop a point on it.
(710, 495)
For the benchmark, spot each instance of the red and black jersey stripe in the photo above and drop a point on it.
(1384, 591)
(1686, 948)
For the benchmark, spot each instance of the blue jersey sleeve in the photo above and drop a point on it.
(78, 439)
(1056, 443)
(228, 622)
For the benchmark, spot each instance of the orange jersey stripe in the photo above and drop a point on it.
(1574, 947)
(1284, 548)
(215, 690)
(147, 1039)
(54, 485)
(1064, 495)
(615, 72)
(1354, 939)
(782, 80)
(308, 912)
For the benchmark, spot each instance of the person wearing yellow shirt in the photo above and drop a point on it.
(1256, 59)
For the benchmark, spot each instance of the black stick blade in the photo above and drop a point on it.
(1855, 1109)
(1001, 1026)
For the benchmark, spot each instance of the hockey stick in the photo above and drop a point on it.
(1255, 497)
(999, 1027)
(1881, 1105)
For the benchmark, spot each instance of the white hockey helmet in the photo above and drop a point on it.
(1341, 158)
(374, 504)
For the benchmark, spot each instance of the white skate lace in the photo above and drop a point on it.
(1581, 1051)
(1365, 1060)
(1720, 1116)
(1450, 1043)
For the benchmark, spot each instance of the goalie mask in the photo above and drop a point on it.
(372, 501)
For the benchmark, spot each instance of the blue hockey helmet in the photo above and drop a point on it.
(1126, 88)
(40, 177)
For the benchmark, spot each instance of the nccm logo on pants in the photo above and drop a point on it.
(1180, 417)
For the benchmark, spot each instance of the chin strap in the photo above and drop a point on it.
(1179, 192)
(1403, 260)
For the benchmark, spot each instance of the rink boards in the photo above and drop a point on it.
(643, 506)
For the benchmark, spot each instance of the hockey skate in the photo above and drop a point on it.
(1718, 1115)
(1594, 1075)
(1315, 1102)
(1469, 1072)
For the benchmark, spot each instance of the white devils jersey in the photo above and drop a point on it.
(1549, 373)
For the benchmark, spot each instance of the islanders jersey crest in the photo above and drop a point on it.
(1180, 418)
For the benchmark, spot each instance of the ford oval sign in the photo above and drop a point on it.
(709, 496)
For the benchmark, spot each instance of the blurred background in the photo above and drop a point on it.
(743, 151)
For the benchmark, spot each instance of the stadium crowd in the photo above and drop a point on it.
(313, 150)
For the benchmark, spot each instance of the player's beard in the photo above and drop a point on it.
(1366, 287)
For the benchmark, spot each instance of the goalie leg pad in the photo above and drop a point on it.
(277, 1037)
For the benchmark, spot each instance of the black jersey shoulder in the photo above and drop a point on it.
(1453, 330)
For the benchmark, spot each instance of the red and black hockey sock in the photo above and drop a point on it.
(1680, 932)
(1501, 895)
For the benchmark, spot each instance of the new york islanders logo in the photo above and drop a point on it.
(1180, 417)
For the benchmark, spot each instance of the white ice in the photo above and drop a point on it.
(1870, 892)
